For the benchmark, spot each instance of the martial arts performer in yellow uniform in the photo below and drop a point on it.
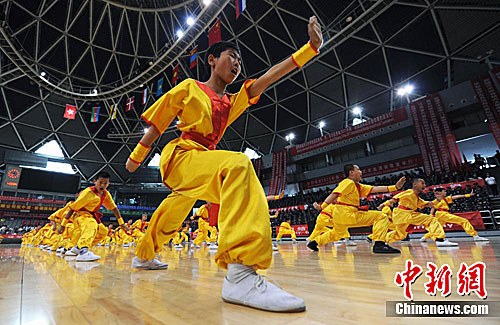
(441, 211)
(88, 204)
(406, 214)
(286, 229)
(347, 212)
(193, 170)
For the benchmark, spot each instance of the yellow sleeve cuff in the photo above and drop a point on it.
(120, 221)
(467, 195)
(140, 152)
(276, 197)
(392, 188)
(64, 222)
(304, 54)
(324, 205)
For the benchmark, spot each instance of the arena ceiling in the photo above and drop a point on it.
(118, 47)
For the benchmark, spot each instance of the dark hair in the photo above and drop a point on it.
(438, 189)
(416, 180)
(347, 169)
(219, 47)
(102, 175)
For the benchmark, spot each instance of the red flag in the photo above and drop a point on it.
(130, 104)
(214, 34)
(175, 75)
(70, 112)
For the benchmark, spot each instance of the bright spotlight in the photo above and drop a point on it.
(190, 21)
(43, 74)
(357, 110)
(291, 136)
(207, 2)
(321, 124)
(179, 33)
(405, 90)
(146, 130)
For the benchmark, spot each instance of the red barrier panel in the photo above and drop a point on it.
(300, 230)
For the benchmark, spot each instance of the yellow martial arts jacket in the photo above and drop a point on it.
(203, 116)
(351, 192)
(409, 200)
(59, 214)
(139, 225)
(89, 202)
(442, 205)
(285, 225)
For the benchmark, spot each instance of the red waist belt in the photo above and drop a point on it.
(402, 207)
(362, 208)
(326, 214)
(197, 137)
(443, 209)
(96, 215)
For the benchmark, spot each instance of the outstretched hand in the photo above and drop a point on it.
(401, 183)
(315, 34)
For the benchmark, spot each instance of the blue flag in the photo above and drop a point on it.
(159, 90)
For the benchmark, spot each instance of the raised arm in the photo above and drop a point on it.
(392, 188)
(454, 197)
(283, 68)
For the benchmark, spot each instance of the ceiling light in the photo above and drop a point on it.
(321, 124)
(357, 110)
(190, 21)
(179, 33)
(207, 2)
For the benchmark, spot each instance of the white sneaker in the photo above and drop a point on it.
(126, 245)
(87, 257)
(478, 238)
(74, 251)
(213, 246)
(60, 250)
(337, 243)
(255, 291)
(153, 264)
(445, 243)
(275, 247)
(423, 239)
(350, 242)
(178, 246)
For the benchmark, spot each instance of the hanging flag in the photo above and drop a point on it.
(159, 89)
(214, 34)
(145, 96)
(193, 60)
(175, 75)
(114, 109)
(129, 105)
(241, 5)
(94, 117)
(70, 112)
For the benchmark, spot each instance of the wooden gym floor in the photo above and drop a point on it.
(341, 285)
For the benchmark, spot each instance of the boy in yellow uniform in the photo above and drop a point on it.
(441, 211)
(324, 221)
(139, 228)
(193, 170)
(406, 214)
(348, 213)
(181, 236)
(88, 220)
(286, 229)
(203, 226)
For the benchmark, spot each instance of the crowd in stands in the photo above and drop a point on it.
(473, 172)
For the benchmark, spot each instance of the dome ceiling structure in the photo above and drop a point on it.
(103, 52)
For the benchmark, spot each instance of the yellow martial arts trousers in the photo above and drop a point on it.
(345, 217)
(218, 176)
(444, 217)
(323, 224)
(403, 218)
(91, 231)
(202, 233)
(181, 236)
(284, 231)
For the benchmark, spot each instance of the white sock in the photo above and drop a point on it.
(237, 272)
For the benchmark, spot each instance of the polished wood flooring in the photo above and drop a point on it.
(341, 285)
